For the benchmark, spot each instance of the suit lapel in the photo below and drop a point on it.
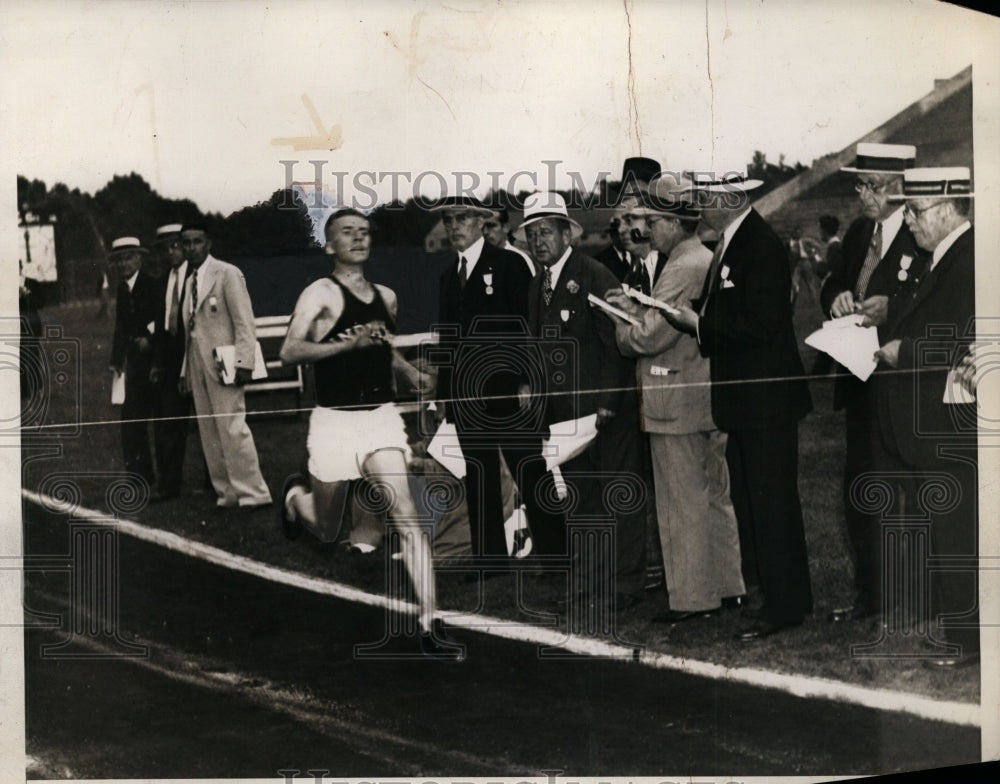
(931, 278)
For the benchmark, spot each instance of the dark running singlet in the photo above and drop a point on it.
(361, 379)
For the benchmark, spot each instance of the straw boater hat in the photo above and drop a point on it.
(948, 182)
(546, 204)
(469, 203)
(124, 245)
(165, 232)
(882, 158)
(722, 180)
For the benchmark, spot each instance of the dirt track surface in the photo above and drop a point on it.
(245, 678)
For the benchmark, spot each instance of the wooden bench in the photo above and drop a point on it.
(271, 332)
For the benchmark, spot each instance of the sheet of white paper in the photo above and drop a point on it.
(568, 439)
(118, 389)
(608, 308)
(954, 392)
(649, 301)
(225, 356)
(853, 346)
(445, 449)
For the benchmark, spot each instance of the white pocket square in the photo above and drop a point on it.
(728, 284)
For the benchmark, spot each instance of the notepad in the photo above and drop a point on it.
(225, 359)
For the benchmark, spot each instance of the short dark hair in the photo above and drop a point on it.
(962, 206)
(829, 224)
(195, 225)
(347, 212)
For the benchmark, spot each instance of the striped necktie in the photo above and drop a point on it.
(547, 286)
(194, 300)
(871, 262)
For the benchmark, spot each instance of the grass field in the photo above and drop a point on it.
(817, 648)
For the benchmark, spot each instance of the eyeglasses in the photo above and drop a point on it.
(874, 188)
(916, 212)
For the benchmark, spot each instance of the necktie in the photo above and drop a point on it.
(463, 273)
(174, 302)
(713, 273)
(871, 262)
(194, 300)
(547, 286)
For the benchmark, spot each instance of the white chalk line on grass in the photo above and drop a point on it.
(952, 712)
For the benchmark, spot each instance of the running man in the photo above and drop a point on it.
(343, 324)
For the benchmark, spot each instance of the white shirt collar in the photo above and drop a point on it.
(890, 228)
(558, 266)
(650, 263)
(945, 245)
(730, 230)
(472, 254)
(175, 278)
(131, 281)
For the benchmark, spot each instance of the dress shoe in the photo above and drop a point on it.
(734, 602)
(855, 612)
(758, 630)
(679, 616)
(956, 662)
(438, 644)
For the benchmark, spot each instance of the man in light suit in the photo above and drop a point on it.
(484, 306)
(926, 433)
(863, 279)
(602, 383)
(697, 526)
(744, 326)
(217, 312)
(132, 352)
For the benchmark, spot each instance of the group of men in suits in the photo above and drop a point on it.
(165, 334)
(722, 390)
(907, 268)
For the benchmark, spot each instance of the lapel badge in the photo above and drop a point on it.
(904, 266)
(572, 287)
(564, 314)
(488, 280)
(213, 303)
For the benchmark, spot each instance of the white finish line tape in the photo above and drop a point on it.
(961, 713)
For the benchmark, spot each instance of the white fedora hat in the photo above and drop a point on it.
(546, 204)
(945, 182)
(872, 158)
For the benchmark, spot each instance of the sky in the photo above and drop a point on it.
(198, 96)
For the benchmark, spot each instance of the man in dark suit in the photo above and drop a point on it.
(132, 352)
(615, 257)
(863, 280)
(172, 408)
(484, 306)
(759, 394)
(927, 434)
(602, 384)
